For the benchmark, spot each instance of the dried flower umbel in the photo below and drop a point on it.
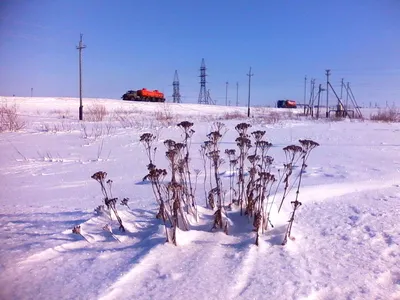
(306, 147)
(77, 230)
(175, 198)
(109, 201)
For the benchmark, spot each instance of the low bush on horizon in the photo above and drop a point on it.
(389, 115)
(95, 112)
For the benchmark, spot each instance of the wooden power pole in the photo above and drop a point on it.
(80, 48)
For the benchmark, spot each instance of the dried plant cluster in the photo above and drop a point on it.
(176, 198)
(109, 200)
(252, 186)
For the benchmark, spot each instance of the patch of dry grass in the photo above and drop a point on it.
(9, 118)
(95, 112)
(389, 115)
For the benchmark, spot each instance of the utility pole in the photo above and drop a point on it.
(31, 92)
(341, 89)
(80, 47)
(347, 95)
(237, 93)
(328, 72)
(320, 89)
(248, 100)
(305, 93)
(226, 93)
(310, 109)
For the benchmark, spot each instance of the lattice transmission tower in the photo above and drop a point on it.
(176, 95)
(204, 95)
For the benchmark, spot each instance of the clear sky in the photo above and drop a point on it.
(133, 44)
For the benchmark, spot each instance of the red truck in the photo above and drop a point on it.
(286, 104)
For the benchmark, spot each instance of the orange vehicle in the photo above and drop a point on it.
(144, 95)
(286, 104)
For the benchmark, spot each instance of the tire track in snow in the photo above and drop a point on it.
(127, 280)
(243, 273)
(199, 270)
(52, 253)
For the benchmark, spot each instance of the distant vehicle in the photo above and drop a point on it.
(286, 104)
(144, 95)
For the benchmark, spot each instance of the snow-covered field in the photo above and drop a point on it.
(347, 232)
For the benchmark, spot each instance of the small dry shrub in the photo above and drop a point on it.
(128, 118)
(63, 126)
(128, 121)
(165, 116)
(61, 114)
(268, 116)
(387, 115)
(95, 112)
(126, 111)
(9, 118)
(235, 115)
(96, 131)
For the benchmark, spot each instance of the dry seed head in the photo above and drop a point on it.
(233, 161)
(214, 136)
(230, 151)
(218, 126)
(242, 127)
(111, 201)
(293, 149)
(147, 137)
(107, 228)
(243, 142)
(263, 145)
(124, 201)
(185, 124)
(258, 135)
(171, 154)
(214, 154)
(208, 145)
(268, 160)
(253, 158)
(151, 166)
(99, 176)
(252, 171)
(179, 146)
(76, 229)
(308, 145)
(267, 176)
(170, 144)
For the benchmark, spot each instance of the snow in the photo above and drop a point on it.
(346, 232)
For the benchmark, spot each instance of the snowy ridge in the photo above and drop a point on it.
(346, 234)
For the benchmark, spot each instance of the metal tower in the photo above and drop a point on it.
(204, 95)
(176, 93)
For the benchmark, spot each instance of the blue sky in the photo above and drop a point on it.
(135, 44)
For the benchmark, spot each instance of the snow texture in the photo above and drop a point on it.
(347, 231)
